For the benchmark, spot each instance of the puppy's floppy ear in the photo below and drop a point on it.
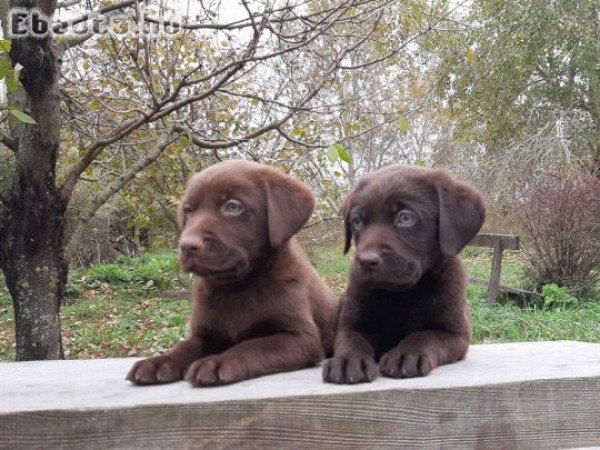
(289, 206)
(348, 230)
(462, 213)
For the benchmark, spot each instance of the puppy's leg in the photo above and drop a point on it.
(354, 360)
(168, 367)
(421, 352)
(258, 356)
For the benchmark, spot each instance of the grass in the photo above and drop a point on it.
(120, 309)
(127, 308)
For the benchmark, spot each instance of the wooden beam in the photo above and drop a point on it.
(495, 272)
(525, 395)
(499, 242)
(504, 241)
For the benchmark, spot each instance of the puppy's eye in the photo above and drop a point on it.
(187, 209)
(405, 218)
(356, 221)
(232, 208)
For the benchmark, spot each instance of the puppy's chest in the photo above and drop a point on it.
(234, 317)
(397, 313)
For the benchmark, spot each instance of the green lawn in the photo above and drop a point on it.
(128, 308)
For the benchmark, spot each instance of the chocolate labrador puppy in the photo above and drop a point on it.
(405, 305)
(258, 306)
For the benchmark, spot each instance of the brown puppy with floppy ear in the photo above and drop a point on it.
(406, 303)
(258, 307)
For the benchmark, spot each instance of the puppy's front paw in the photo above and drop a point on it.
(349, 370)
(405, 363)
(213, 371)
(160, 369)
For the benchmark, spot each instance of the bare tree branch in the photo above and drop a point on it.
(171, 103)
(63, 43)
(278, 123)
(247, 23)
(100, 199)
(68, 3)
(150, 116)
(61, 26)
(293, 140)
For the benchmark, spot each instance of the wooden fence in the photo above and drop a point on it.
(498, 242)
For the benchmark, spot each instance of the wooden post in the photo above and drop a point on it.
(495, 273)
(499, 242)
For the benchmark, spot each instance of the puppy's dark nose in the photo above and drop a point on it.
(369, 259)
(190, 244)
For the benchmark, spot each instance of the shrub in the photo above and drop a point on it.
(560, 219)
(555, 296)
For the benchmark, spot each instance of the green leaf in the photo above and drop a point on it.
(299, 132)
(5, 45)
(333, 154)
(6, 69)
(95, 105)
(421, 163)
(184, 141)
(254, 102)
(21, 115)
(471, 56)
(337, 152)
(415, 11)
(223, 116)
(344, 154)
(10, 76)
(12, 84)
(403, 126)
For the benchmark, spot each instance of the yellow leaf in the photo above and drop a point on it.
(471, 56)
(403, 126)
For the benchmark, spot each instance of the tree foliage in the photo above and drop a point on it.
(514, 71)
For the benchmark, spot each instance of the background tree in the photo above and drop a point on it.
(515, 72)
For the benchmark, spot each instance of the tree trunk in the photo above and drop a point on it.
(36, 273)
(33, 229)
(32, 216)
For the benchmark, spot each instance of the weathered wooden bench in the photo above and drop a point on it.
(525, 395)
(498, 242)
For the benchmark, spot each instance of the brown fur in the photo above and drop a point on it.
(258, 307)
(405, 306)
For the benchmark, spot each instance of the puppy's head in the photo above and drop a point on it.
(405, 220)
(235, 215)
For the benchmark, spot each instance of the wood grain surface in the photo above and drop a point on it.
(530, 395)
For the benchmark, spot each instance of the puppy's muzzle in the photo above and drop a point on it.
(193, 245)
(207, 255)
(384, 265)
(369, 260)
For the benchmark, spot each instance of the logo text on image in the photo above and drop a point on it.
(32, 22)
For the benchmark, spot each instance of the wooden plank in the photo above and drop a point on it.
(495, 272)
(490, 240)
(527, 395)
